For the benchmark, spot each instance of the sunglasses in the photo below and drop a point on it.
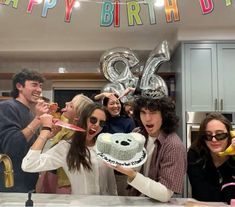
(94, 120)
(218, 137)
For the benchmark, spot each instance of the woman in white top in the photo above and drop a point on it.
(88, 174)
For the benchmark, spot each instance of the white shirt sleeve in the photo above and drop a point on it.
(112, 186)
(35, 161)
(151, 188)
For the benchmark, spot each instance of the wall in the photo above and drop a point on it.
(52, 67)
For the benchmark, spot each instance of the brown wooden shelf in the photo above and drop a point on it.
(2, 98)
(93, 76)
(51, 76)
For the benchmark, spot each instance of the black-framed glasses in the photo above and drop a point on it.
(218, 137)
(94, 120)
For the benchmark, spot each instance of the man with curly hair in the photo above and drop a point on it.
(163, 173)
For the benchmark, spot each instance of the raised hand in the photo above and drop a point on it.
(41, 108)
(231, 149)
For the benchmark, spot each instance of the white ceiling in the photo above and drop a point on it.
(25, 35)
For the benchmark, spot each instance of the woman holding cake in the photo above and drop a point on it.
(117, 122)
(88, 175)
(163, 173)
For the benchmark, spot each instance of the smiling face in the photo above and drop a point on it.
(215, 127)
(114, 107)
(94, 127)
(152, 121)
(30, 92)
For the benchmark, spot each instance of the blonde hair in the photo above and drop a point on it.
(80, 102)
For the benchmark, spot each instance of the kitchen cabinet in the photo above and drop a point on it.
(209, 73)
(204, 73)
(226, 75)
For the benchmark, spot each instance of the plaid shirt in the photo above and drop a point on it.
(169, 162)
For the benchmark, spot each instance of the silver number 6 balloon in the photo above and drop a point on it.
(151, 84)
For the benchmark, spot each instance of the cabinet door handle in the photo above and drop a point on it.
(216, 104)
(222, 104)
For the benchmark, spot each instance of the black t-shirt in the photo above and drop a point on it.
(206, 180)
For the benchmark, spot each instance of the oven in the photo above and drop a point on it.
(193, 120)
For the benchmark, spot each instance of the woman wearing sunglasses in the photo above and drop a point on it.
(88, 174)
(208, 172)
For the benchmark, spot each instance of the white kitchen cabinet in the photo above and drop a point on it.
(209, 73)
(204, 80)
(226, 76)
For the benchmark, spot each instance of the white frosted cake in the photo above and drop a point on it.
(120, 146)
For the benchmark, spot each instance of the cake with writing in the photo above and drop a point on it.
(121, 146)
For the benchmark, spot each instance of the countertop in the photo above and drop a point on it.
(18, 199)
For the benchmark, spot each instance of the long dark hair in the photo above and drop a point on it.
(164, 105)
(78, 153)
(199, 144)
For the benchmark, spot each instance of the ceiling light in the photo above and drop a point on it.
(159, 3)
(62, 70)
(76, 4)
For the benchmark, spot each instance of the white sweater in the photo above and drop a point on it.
(99, 181)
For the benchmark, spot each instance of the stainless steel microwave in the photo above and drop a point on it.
(197, 117)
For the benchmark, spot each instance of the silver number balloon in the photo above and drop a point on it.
(116, 88)
(150, 81)
(113, 88)
(157, 88)
(116, 65)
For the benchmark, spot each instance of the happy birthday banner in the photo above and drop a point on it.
(110, 10)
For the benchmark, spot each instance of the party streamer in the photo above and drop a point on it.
(117, 14)
(107, 14)
(171, 8)
(133, 10)
(48, 4)
(30, 5)
(150, 4)
(14, 5)
(228, 2)
(207, 6)
(69, 8)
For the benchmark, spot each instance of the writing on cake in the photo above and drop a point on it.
(121, 146)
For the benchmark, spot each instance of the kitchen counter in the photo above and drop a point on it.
(41, 200)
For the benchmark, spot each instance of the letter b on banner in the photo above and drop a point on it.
(107, 14)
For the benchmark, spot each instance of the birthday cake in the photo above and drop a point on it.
(120, 146)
